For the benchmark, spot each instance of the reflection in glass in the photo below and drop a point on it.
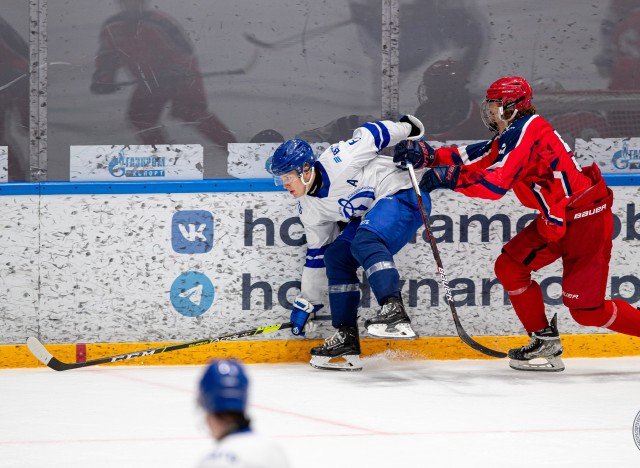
(160, 57)
(14, 100)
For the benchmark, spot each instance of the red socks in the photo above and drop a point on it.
(529, 307)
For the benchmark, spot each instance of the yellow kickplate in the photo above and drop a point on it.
(297, 350)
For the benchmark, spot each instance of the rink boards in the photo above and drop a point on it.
(118, 271)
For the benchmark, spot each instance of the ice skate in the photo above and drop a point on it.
(392, 321)
(542, 353)
(339, 352)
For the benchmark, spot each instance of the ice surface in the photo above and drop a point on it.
(394, 413)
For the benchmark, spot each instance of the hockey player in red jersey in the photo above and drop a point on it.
(574, 223)
(158, 53)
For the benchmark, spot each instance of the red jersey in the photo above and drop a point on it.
(529, 157)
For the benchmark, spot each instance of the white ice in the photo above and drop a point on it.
(392, 414)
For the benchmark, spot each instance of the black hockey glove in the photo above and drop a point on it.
(440, 177)
(416, 152)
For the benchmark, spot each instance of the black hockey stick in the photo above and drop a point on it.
(45, 357)
(295, 38)
(464, 336)
(235, 71)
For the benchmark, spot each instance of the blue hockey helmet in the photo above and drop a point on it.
(224, 387)
(292, 155)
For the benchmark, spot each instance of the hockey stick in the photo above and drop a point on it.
(235, 71)
(295, 38)
(45, 357)
(25, 75)
(464, 336)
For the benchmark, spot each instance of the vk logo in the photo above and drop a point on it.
(192, 232)
(192, 294)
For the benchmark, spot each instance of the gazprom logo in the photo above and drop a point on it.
(192, 294)
(137, 166)
(626, 158)
(192, 231)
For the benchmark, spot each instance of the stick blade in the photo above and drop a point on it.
(44, 356)
(39, 351)
(464, 336)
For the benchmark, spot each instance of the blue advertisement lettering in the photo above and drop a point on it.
(136, 166)
(626, 158)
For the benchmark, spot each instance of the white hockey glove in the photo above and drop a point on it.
(302, 316)
(417, 129)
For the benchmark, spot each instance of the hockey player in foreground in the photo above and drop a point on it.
(351, 184)
(574, 223)
(222, 393)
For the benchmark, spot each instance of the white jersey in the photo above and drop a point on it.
(246, 450)
(354, 178)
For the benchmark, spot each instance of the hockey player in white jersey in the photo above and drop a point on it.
(222, 393)
(352, 186)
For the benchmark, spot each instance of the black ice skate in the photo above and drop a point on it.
(340, 352)
(542, 353)
(392, 321)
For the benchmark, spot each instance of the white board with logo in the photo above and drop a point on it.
(118, 163)
(188, 266)
(619, 155)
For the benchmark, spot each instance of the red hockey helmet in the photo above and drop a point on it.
(512, 93)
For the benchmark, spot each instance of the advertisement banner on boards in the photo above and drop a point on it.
(157, 267)
(617, 155)
(118, 163)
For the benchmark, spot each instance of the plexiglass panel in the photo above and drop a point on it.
(248, 72)
(165, 72)
(14, 91)
(583, 61)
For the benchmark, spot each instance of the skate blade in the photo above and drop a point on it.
(552, 364)
(400, 331)
(347, 363)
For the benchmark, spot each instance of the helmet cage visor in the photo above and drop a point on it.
(485, 113)
(489, 121)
